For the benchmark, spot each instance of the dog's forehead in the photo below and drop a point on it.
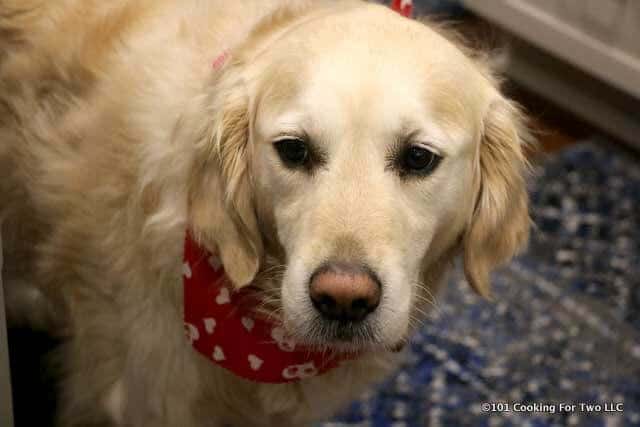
(369, 68)
(375, 34)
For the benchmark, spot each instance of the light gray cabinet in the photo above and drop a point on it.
(600, 39)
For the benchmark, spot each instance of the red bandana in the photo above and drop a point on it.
(222, 325)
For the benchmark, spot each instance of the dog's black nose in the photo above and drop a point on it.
(344, 291)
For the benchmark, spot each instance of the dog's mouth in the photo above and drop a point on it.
(342, 336)
(318, 334)
(342, 333)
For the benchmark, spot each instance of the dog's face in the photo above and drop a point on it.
(364, 141)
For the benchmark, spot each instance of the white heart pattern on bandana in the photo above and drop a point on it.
(248, 323)
(186, 270)
(209, 324)
(255, 362)
(223, 297)
(218, 354)
(305, 370)
(191, 332)
(285, 342)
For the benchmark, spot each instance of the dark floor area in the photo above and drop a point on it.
(33, 377)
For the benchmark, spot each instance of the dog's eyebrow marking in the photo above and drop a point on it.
(291, 133)
(410, 134)
(425, 134)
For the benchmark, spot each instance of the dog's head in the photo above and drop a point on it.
(360, 151)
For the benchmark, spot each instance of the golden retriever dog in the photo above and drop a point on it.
(334, 155)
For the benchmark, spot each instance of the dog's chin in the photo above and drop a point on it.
(343, 337)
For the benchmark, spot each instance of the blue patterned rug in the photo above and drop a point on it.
(565, 327)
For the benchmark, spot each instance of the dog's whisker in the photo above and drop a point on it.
(424, 287)
(429, 298)
(430, 303)
(420, 311)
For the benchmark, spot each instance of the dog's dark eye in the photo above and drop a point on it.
(293, 152)
(417, 160)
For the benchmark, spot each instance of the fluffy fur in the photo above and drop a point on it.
(116, 136)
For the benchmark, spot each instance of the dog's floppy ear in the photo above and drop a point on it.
(499, 226)
(222, 216)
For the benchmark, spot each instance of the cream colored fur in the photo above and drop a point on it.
(116, 135)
